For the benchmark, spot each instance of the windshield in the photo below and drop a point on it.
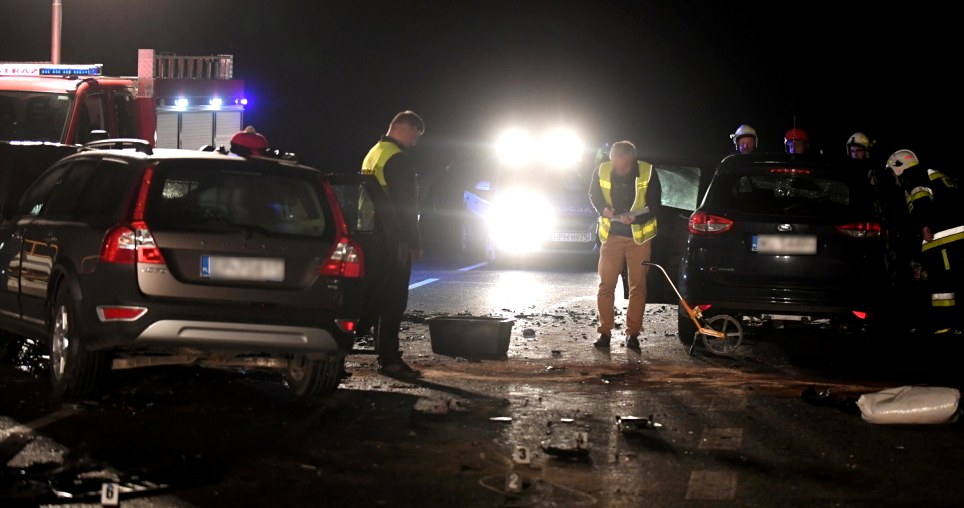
(779, 193)
(206, 196)
(33, 116)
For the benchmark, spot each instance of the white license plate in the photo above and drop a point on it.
(572, 237)
(785, 244)
(237, 268)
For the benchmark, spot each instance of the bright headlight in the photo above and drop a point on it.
(520, 220)
(514, 147)
(561, 148)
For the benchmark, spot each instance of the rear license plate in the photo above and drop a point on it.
(785, 244)
(237, 268)
(572, 237)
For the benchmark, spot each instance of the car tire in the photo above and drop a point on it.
(314, 378)
(686, 328)
(75, 373)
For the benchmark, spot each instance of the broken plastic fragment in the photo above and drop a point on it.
(576, 453)
(628, 424)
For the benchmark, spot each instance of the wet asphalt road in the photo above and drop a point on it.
(712, 431)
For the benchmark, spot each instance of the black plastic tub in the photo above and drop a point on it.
(470, 337)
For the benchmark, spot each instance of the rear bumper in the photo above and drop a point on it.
(814, 303)
(167, 327)
(241, 336)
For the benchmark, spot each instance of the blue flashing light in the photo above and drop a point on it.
(241, 101)
(216, 102)
(72, 70)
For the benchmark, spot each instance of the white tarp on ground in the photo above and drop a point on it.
(910, 404)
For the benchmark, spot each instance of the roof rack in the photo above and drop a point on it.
(119, 144)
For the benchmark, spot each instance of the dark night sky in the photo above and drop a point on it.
(674, 77)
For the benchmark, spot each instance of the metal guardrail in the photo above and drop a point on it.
(172, 66)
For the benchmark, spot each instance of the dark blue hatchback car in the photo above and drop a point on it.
(779, 239)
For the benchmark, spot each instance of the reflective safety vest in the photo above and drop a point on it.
(641, 232)
(376, 159)
(374, 164)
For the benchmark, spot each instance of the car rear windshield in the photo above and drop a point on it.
(207, 196)
(782, 191)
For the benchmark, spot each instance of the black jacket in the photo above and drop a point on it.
(402, 185)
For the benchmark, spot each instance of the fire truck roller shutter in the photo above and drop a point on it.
(167, 130)
(226, 124)
(197, 129)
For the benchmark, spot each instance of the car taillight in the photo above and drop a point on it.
(860, 229)
(346, 260)
(347, 325)
(128, 244)
(704, 223)
(108, 313)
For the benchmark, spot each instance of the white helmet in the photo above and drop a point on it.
(900, 160)
(744, 130)
(859, 139)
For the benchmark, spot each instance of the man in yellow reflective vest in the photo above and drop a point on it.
(391, 164)
(626, 194)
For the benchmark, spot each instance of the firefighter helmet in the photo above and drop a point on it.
(744, 130)
(860, 140)
(795, 134)
(900, 160)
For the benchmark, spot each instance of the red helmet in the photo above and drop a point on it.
(796, 134)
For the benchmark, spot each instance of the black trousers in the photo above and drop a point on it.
(393, 301)
(945, 280)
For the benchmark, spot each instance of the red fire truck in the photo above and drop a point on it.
(48, 110)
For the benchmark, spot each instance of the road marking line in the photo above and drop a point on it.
(43, 421)
(711, 486)
(473, 267)
(421, 283)
(721, 439)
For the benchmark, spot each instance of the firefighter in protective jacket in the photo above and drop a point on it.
(934, 203)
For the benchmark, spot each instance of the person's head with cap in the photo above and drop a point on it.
(406, 128)
(249, 143)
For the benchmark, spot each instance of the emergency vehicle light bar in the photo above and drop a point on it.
(73, 70)
(47, 69)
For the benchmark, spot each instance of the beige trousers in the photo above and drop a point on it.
(615, 251)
